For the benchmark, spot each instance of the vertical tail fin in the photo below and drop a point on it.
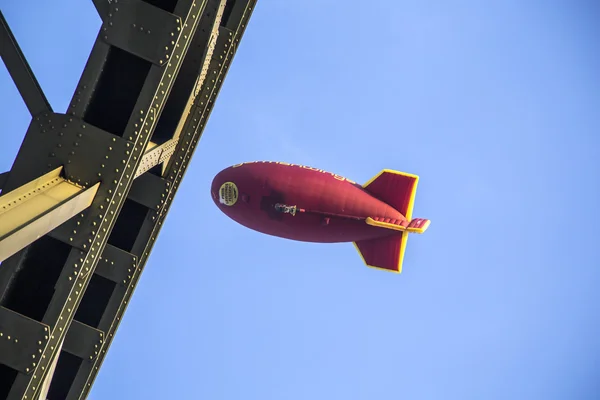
(398, 189)
(385, 253)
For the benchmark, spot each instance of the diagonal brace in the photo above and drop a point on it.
(21, 72)
(155, 155)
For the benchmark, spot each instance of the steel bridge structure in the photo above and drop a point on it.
(89, 189)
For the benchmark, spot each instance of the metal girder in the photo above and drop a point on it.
(21, 72)
(146, 100)
(129, 114)
(201, 100)
(195, 121)
(38, 207)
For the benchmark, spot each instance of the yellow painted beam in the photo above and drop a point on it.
(36, 208)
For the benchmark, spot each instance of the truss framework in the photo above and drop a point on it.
(125, 142)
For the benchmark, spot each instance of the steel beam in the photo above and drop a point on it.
(132, 127)
(21, 72)
(202, 100)
(143, 96)
(38, 207)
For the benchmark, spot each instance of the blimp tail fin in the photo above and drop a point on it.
(385, 253)
(398, 189)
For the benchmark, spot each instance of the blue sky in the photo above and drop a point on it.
(494, 104)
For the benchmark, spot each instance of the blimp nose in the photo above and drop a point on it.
(214, 187)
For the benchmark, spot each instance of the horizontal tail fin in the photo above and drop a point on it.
(398, 189)
(385, 253)
(417, 225)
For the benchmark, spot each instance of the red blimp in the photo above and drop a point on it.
(311, 205)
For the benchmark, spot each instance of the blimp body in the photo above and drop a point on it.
(308, 204)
